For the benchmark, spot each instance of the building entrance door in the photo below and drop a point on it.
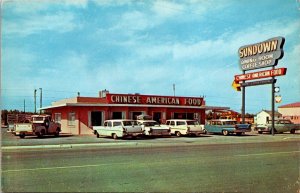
(157, 116)
(96, 118)
(117, 115)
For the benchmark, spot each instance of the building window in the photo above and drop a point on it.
(71, 119)
(57, 117)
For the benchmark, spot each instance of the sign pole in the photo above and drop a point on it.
(273, 104)
(243, 101)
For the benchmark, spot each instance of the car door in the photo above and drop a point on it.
(105, 129)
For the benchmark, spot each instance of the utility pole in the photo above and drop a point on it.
(174, 89)
(41, 97)
(35, 101)
(24, 107)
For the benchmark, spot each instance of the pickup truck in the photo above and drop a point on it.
(39, 125)
(118, 128)
(226, 126)
(181, 127)
(280, 126)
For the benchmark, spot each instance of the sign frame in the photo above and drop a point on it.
(262, 54)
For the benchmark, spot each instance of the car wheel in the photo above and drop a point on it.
(22, 135)
(178, 134)
(260, 132)
(238, 134)
(293, 131)
(41, 134)
(56, 132)
(225, 132)
(97, 134)
(114, 136)
(204, 130)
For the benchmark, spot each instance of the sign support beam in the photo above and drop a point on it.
(243, 101)
(273, 104)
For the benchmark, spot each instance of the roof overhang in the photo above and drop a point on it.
(132, 105)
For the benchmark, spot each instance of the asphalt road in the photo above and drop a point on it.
(232, 167)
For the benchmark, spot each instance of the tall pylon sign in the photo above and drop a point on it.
(256, 56)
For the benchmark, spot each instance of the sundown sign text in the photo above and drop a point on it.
(261, 55)
(154, 100)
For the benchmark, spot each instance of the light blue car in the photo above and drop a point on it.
(226, 126)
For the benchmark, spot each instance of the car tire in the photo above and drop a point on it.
(177, 133)
(41, 133)
(56, 134)
(238, 134)
(293, 131)
(260, 132)
(97, 134)
(22, 135)
(114, 136)
(225, 132)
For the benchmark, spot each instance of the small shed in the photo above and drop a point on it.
(265, 116)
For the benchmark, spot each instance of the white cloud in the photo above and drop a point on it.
(228, 44)
(76, 3)
(60, 22)
(114, 3)
(35, 6)
(165, 9)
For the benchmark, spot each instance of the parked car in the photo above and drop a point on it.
(280, 126)
(185, 127)
(226, 126)
(153, 128)
(39, 125)
(119, 128)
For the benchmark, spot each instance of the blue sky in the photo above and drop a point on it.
(145, 47)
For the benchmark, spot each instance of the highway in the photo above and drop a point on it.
(231, 167)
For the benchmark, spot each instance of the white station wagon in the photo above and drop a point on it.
(118, 128)
(185, 127)
(153, 128)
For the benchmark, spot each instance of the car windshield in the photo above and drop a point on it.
(117, 124)
(127, 123)
(192, 122)
(38, 118)
(284, 122)
(134, 123)
(152, 123)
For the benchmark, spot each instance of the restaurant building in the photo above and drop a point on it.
(79, 114)
(291, 111)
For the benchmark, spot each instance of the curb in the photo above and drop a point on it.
(65, 145)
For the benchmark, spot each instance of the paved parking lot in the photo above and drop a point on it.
(264, 164)
(65, 140)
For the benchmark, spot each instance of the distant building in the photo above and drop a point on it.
(291, 111)
(265, 116)
(233, 115)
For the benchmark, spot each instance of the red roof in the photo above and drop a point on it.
(291, 105)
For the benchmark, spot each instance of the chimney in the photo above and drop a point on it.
(102, 93)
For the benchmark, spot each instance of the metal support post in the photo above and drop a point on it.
(273, 103)
(243, 101)
(41, 100)
(34, 100)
